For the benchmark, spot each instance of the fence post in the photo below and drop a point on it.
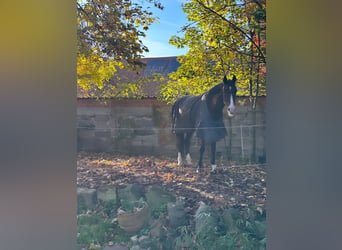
(229, 150)
(254, 136)
(242, 144)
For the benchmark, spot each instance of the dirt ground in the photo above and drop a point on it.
(232, 185)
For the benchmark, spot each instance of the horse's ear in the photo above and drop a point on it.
(234, 78)
(225, 81)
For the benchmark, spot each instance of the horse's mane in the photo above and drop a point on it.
(215, 89)
(216, 107)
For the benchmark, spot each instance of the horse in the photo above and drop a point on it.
(203, 114)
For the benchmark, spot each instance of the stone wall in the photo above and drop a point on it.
(143, 127)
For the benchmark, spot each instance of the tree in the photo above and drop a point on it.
(108, 33)
(224, 37)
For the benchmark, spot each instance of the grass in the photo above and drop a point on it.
(97, 228)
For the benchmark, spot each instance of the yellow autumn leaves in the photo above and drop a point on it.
(93, 70)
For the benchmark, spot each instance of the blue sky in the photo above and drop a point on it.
(171, 19)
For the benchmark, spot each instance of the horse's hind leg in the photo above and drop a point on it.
(213, 155)
(187, 148)
(200, 161)
(180, 148)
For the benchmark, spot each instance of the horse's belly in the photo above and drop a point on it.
(211, 131)
(184, 124)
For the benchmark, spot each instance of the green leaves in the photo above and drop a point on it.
(113, 26)
(108, 34)
(222, 40)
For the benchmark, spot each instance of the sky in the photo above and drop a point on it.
(171, 19)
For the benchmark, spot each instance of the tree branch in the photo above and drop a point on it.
(234, 26)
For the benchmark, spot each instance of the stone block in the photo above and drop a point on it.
(144, 122)
(101, 125)
(143, 131)
(85, 133)
(157, 197)
(147, 140)
(103, 133)
(86, 124)
(134, 239)
(107, 194)
(85, 117)
(86, 198)
(101, 118)
(176, 214)
(206, 219)
(131, 193)
(135, 247)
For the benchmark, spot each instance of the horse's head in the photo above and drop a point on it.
(229, 94)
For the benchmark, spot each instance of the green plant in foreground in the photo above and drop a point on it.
(236, 230)
(131, 206)
(185, 239)
(229, 229)
(91, 230)
(96, 229)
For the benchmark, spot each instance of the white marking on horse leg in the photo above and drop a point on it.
(179, 159)
(213, 167)
(188, 159)
(180, 111)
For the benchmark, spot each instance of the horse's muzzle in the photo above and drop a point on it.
(231, 108)
(230, 112)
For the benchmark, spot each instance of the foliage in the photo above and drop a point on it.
(156, 212)
(95, 228)
(245, 230)
(109, 208)
(108, 33)
(185, 240)
(93, 71)
(131, 206)
(224, 38)
(232, 229)
(237, 231)
(93, 231)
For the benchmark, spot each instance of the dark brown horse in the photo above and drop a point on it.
(203, 114)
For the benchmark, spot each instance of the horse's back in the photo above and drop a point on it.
(184, 113)
(191, 113)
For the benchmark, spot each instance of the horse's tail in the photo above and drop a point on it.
(174, 114)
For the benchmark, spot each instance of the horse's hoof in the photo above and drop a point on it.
(188, 160)
(213, 167)
(213, 171)
(188, 165)
(198, 169)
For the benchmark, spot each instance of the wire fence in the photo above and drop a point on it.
(170, 128)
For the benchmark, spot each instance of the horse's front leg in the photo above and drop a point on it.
(213, 155)
(200, 161)
(180, 148)
(187, 140)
